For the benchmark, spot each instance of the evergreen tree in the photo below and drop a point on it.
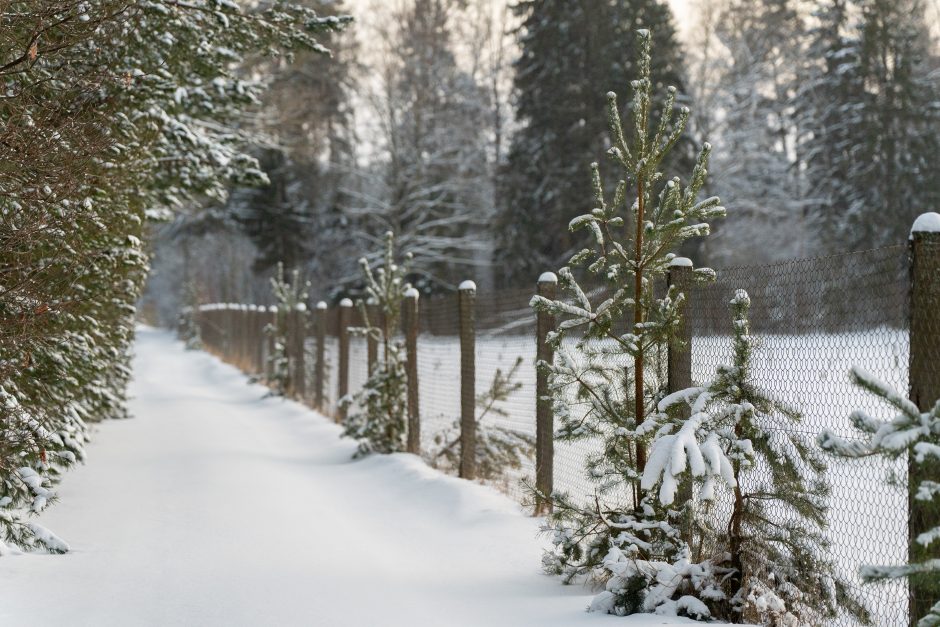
(624, 537)
(290, 296)
(764, 562)
(116, 111)
(870, 122)
(379, 422)
(916, 435)
(572, 54)
(498, 448)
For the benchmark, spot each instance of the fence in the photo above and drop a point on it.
(813, 320)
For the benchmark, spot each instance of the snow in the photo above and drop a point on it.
(548, 277)
(926, 223)
(680, 262)
(345, 303)
(467, 285)
(412, 293)
(216, 506)
(321, 305)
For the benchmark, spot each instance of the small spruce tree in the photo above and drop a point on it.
(916, 435)
(289, 296)
(379, 422)
(594, 395)
(498, 448)
(763, 560)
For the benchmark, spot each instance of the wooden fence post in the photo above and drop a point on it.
(299, 378)
(320, 372)
(924, 392)
(466, 299)
(269, 342)
(345, 309)
(544, 418)
(410, 320)
(372, 342)
(679, 364)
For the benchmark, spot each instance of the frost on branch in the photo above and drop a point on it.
(914, 434)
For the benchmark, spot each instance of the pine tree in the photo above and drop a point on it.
(498, 448)
(916, 435)
(624, 536)
(765, 561)
(572, 53)
(379, 421)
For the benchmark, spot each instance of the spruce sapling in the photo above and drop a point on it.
(763, 559)
(380, 420)
(595, 396)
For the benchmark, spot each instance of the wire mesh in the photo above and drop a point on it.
(813, 320)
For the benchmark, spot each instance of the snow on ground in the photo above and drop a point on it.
(214, 506)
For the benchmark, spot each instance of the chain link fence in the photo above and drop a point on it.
(812, 319)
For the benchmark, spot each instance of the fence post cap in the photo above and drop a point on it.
(680, 262)
(926, 223)
(272, 309)
(412, 293)
(301, 306)
(548, 277)
(467, 285)
(345, 303)
(321, 304)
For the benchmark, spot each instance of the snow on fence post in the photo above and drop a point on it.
(924, 392)
(244, 330)
(372, 342)
(299, 378)
(320, 371)
(345, 309)
(544, 418)
(410, 322)
(679, 361)
(466, 299)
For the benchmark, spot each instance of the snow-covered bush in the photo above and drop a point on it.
(114, 111)
(498, 448)
(379, 421)
(606, 380)
(916, 435)
(758, 539)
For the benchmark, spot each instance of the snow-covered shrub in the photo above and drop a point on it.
(916, 435)
(120, 111)
(379, 421)
(498, 448)
(763, 559)
(606, 380)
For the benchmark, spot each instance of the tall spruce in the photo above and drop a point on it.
(870, 122)
(572, 54)
(609, 370)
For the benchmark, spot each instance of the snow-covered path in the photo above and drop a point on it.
(215, 507)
